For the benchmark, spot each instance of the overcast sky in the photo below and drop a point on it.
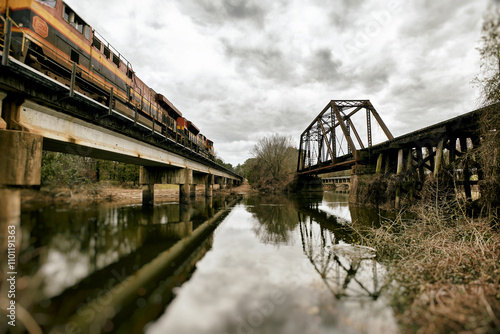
(241, 70)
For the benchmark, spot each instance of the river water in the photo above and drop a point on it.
(229, 265)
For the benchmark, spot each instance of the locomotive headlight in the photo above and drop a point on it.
(20, 25)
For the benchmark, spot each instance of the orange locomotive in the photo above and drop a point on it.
(50, 37)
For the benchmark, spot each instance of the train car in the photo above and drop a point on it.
(206, 146)
(210, 149)
(50, 37)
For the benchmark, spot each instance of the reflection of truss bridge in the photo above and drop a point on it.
(328, 143)
(346, 272)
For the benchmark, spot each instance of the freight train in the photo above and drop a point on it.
(50, 37)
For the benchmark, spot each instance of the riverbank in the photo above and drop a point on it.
(445, 269)
(108, 193)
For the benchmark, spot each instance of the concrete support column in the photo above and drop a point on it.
(438, 157)
(380, 158)
(20, 166)
(399, 170)
(185, 186)
(147, 179)
(193, 191)
(400, 161)
(387, 165)
(209, 186)
(222, 182)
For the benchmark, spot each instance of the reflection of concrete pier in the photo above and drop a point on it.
(184, 227)
(146, 278)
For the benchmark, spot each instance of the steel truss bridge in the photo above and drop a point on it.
(328, 144)
(333, 142)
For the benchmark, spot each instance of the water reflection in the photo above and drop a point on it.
(347, 270)
(73, 255)
(276, 219)
(282, 265)
(272, 265)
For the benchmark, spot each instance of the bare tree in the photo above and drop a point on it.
(489, 77)
(274, 162)
(489, 82)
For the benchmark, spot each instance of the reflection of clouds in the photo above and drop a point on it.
(244, 285)
(337, 205)
(62, 270)
(339, 210)
(242, 282)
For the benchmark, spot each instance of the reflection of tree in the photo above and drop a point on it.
(347, 270)
(276, 217)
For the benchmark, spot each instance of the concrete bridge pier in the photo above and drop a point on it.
(209, 185)
(220, 181)
(20, 167)
(185, 182)
(186, 178)
(148, 190)
(150, 175)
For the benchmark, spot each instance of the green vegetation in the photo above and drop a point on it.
(65, 170)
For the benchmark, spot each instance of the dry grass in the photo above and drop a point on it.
(446, 268)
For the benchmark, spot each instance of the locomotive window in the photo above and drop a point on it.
(96, 43)
(86, 32)
(75, 57)
(50, 3)
(130, 73)
(70, 16)
(116, 60)
(107, 52)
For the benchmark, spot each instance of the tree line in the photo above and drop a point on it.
(66, 170)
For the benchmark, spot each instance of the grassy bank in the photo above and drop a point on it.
(445, 268)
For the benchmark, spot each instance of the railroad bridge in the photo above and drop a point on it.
(340, 139)
(39, 113)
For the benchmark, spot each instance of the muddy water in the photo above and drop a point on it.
(231, 265)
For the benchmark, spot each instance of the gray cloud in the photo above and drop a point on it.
(244, 69)
(321, 66)
(221, 12)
